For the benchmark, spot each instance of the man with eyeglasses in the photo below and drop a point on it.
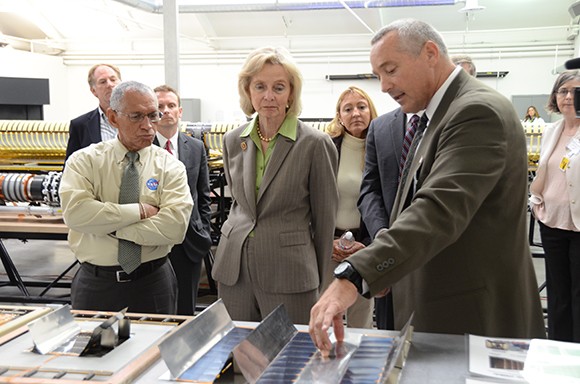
(93, 127)
(104, 222)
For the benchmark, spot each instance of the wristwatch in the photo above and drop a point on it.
(345, 270)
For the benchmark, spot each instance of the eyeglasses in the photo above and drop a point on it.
(137, 117)
(563, 92)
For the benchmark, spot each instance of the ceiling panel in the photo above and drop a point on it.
(101, 25)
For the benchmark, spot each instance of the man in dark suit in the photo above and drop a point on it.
(187, 257)
(379, 188)
(456, 250)
(94, 127)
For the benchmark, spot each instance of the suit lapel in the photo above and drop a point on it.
(183, 151)
(398, 133)
(95, 122)
(283, 146)
(249, 173)
(433, 126)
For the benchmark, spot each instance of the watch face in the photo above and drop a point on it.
(341, 268)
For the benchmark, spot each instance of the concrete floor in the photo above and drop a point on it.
(44, 260)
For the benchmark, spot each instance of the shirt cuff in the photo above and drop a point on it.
(366, 291)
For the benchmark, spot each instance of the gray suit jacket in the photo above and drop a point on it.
(192, 154)
(380, 179)
(293, 216)
(458, 255)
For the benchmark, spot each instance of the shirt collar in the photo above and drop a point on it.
(409, 115)
(162, 140)
(120, 151)
(288, 128)
(103, 114)
(438, 96)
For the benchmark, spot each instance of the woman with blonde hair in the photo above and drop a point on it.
(348, 129)
(276, 242)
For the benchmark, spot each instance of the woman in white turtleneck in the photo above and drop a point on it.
(348, 129)
(555, 203)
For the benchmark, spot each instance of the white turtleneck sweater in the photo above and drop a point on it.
(349, 178)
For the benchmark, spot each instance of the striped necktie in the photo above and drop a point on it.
(407, 140)
(411, 155)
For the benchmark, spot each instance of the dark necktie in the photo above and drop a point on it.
(407, 140)
(129, 255)
(168, 146)
(413, 148)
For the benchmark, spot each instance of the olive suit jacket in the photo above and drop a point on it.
(292, 218)
(458, 255)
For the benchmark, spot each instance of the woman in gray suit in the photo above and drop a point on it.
(277, 240)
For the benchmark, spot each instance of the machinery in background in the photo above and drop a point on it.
(28, 146)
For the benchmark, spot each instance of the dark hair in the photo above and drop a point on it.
(527, 116)
(564, 77)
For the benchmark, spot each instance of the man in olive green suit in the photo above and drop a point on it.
(456, 252)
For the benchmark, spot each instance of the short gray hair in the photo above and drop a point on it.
(465, 59)
(413, 34)
(117, 96)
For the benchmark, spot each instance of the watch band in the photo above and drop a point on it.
(346, 270)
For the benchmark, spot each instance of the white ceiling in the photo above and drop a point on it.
(68, 27)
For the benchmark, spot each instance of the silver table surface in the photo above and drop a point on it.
(433, 359)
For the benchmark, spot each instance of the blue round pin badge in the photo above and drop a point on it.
(152, 184)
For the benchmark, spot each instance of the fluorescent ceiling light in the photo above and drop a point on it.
(159, 3)
(353, 4)
(242, 2)
(211, 6)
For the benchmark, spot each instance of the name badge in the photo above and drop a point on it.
(564, 163)
(573, 147)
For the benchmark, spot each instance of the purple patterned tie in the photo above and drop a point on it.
(411, 154)
(409, 134)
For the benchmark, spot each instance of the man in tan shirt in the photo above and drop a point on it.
(89, 194)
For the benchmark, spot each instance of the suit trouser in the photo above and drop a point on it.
(562, 258)
(384, 312)
(97, 288)
(188, 275)
(246, 301)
